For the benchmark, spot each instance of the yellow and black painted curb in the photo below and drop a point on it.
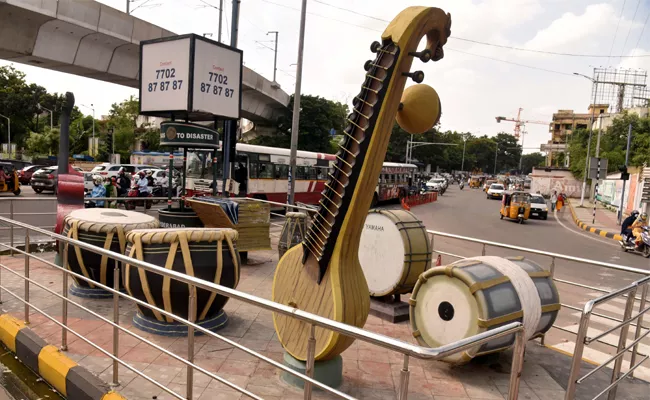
(66, 376)
(597, 231)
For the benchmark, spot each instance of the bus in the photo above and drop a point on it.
(262, 172)
(394, 181)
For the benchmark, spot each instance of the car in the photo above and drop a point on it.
(435, 184)
(45, 179)
(538, 207)
(495, 191)
(25, 174)
(107, 170)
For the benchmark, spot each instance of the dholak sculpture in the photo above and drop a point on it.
(208, 254)
(473, 295)
(293, 231)
(394, 250)
(102, 227)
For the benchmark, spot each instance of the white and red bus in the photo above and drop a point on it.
(394, 181)
(262, 172)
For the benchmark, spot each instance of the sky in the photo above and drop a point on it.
(476, 82)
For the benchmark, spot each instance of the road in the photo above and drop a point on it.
(469, 213)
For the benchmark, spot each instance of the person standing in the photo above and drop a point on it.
(553, 200)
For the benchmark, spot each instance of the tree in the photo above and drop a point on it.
(43, 144)
(318, 116)
(532, 160)
(123, 118)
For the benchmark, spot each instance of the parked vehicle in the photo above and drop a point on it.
(10, 182)
(628, 245)
(25, 174)
(45, 179)
(538, 207)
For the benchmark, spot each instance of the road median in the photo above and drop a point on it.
(606, 233)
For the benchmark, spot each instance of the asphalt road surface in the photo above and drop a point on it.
(469, 213)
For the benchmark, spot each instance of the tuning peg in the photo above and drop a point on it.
(367, 65)
(424, 55)
(417, 76)
(374, 47)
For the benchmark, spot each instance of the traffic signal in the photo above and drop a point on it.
(109, 143)
(624, 174)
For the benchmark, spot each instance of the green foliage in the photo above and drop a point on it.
(613, 144)
(46, 143)
(532, 160)
(317, 117)
(123, 119)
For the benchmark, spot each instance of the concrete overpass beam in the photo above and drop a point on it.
(59, 40)
(115, 23)
(96, 51)
(126, 64)
(81, 13)
(19, 29)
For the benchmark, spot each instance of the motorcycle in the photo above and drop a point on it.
(628, 245)
(134, 192)
(461, 186)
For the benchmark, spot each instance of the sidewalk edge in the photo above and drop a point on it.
(62, 373)
(597, 231)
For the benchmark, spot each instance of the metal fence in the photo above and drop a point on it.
(406, 349)
(587, 311)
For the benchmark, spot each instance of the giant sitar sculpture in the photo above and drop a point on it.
(322, 275)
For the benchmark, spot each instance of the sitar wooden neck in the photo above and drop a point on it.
(349, 173)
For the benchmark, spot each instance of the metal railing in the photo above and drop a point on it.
(622, 348)
(587, 311)
(406, 349)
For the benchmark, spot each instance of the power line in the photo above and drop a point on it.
(350, 11)
(616, 32)
(642, 30)
(510, 62)
(631, 25)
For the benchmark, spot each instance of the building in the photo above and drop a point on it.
(564, 122)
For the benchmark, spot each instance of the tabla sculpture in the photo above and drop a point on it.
(322, 275)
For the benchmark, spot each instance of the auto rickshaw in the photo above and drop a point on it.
(515, 205)
(475, 182)
(9, 178)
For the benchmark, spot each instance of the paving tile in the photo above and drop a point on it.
(482, 391)
(524, 393)
(545, 394)
(441, 387)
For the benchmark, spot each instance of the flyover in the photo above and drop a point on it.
(87, 38)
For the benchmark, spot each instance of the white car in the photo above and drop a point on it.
(538, 207)
(435, 184)
(495, 191)
(107, 170)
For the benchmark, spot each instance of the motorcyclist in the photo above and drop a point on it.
(637, 227)
(149, 174)
(626, 232)
(123, 183)
(98, 191)
(143, 185)
(111, 190)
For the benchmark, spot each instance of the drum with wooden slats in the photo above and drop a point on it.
(101, 227)
(470, 296)
(293, 231)
(205, 253)
(394, 250)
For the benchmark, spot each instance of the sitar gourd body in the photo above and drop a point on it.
(322, 275)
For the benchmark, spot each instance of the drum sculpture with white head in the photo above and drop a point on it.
(393, 251)
(470, 296)
(101, 227)
(205, 253)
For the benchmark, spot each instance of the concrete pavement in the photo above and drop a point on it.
(605, 222)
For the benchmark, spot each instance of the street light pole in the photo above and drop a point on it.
(40, 107)
(521, 156)
(295, 123)
(275, 59)
(594, 82)
(8, 133)
(462, 164)
(92, 107)
(496, 153)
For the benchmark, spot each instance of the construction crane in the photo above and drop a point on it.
(520, 122)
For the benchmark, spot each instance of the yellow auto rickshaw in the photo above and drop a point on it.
(515, 205)
(9, 178)
(475, 182)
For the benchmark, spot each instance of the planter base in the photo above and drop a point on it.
(152, 325)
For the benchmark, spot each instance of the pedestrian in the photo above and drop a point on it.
(560, 201)
(553, 200)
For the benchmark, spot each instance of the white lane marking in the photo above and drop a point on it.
(591, 237)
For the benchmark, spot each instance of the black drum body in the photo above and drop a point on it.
(175, 218)
(208, 254)
(104, 228)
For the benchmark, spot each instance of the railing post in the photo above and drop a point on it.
(11, 227)
(404, 379)
(517, 364)
(552, 267)
(64, 293)
(116, 319)
(639, 324)
(191, 316)
(622, 341)
(483, 251)
(309, 367)
(577, 355)
(26, 276)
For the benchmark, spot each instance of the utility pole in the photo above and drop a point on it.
(128, 7)
(230, 126)
(521, 156)
(295, 123)
(275, 59)
(627, 159)
(462, 164)
(496, 154)
(220, 19)
(591, 131)
(8, 134)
